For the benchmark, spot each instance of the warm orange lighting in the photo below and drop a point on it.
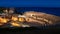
(3, 20)
(21, 19)
(14, 18)
(1, 24)
(15, 24)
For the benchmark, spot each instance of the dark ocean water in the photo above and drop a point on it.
(48, 10)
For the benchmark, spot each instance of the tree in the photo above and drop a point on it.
(1, 10)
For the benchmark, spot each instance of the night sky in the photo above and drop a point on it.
(48, 6)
